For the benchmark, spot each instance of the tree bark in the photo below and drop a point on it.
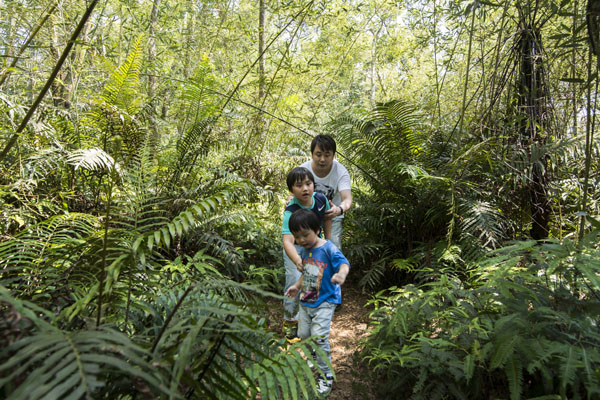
(533, 100)
(373, 63)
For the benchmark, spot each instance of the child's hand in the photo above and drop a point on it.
(292, 291)
(287, 202)
(338, 278)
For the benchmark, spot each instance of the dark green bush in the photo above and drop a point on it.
(524, 325)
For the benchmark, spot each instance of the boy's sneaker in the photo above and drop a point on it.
(324, 385)
(290, 331)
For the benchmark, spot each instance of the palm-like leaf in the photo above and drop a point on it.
(113, 124)
(220, 350)
(51, 363)
(91, 159)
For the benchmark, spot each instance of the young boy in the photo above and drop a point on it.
(301, 183)
(325, 270)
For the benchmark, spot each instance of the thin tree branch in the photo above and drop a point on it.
(11, 142)
(33, 34)
(263, 52)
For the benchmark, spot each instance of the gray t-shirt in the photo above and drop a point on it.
(337, 180)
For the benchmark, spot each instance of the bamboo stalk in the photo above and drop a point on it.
(464, 98)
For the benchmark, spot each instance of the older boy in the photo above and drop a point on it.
(300, 182)
(333, 180)
(324, 270)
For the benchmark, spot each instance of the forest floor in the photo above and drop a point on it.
(348, 327)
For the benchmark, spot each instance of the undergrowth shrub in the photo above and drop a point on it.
(413, 203)
(202, 337)
(523, 325)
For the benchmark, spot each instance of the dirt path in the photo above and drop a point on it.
(348, 327)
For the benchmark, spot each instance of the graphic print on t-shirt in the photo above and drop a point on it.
(313, 273)
(328, 191)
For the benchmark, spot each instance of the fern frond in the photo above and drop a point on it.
(190, 147)
(221, 350)
(121, 88)
(482, 220)
(52, 363)
(92, 159)
(514, 376)
(44, 162)
(55, 242)
(568, 368)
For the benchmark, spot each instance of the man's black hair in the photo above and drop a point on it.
(298, 174)
(325, 142)
(304, 219)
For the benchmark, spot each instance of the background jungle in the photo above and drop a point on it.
(143, 150)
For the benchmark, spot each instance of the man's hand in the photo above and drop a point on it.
(300, 266)
(333, 212)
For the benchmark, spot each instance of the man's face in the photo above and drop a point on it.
(303, 190)
(322, 159)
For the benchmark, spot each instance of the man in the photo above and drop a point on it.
(333, 180)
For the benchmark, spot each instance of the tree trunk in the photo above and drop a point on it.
(258, 123)
(151, 68)
(533, 129)
(58, 85)
(373, 63)
(261, 47)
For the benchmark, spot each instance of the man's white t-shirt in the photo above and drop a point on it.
(337, 180)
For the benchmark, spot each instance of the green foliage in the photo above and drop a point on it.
(196, 342)
(115, 122)
(133, 295)
(523, 325)
(413, 204)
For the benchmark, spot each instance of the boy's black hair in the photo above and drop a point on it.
(325, 142)
(304, 219)
(298, 174)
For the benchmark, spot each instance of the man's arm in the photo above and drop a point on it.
(346, 199)
(340, 276)
(290, 250)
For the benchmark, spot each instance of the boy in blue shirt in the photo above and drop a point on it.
(301, 183)
(324, 271)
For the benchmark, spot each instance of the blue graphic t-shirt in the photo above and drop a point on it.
(320, 264)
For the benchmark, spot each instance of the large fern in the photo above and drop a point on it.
(114, 123)
(51, 363)
(518, 328)
(412, 202)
